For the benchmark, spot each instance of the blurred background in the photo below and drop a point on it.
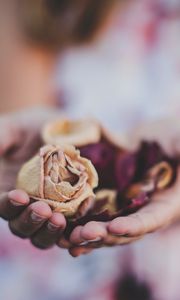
(123, 71)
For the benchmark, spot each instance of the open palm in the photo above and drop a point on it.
(163, 210)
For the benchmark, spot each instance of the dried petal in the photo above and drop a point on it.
(162, 174)
(149, 154)
(137, 182)
(125, 170)
(103, 157)
(77, 133)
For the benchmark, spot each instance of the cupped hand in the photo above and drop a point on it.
(163, 210)
(20, 140)
(35, 221)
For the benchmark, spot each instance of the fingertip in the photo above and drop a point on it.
(78, 251)
(74, 252)
(41, 208)
(64, 244)
(58, 220)
(75, 236)
(118, 226)
(19, 196)
(93, 231)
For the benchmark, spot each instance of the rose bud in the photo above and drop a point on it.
(59, 176)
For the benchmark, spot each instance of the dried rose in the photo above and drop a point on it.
(59, 176)
(94, 142)
(76, 133)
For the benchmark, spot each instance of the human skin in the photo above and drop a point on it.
(162, 211)
(24, 81)
(27, 67)
(19, 140)
(25, 70)
(25, 74)
(15, 207)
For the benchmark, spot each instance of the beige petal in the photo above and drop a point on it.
(111, 196)
(54, 176)
(77, 133)
(91, 171)
(48, 166)
(29, 177)
(51, 191)
(69, 209)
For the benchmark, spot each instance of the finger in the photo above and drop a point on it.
(147, 220)
(111, 240)
(64, 244)
(13, 203)
(32, 219)
(94, 232)
(48, 235)
(75, 236)
(77, 251)
(91, 232)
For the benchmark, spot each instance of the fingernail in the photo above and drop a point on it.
(15, 203)
(18, 199)
(85, 243)
(98, 239)
(52, 227)
(36, 218)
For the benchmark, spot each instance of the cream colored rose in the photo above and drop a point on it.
(77, 133)
(60, 177)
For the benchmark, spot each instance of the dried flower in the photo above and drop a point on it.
(60, 177)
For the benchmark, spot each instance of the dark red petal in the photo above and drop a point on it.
(125, 170)
(102, 156)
